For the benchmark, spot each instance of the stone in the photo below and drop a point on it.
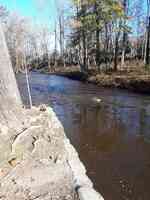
(86, 193)
(33, 179)
(41, 149)
(5, 149)
(42, 108)
(4, 130)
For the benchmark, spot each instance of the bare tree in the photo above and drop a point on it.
(124, 39)
(147, 49)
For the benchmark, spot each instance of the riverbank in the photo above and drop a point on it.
(136, 80)
(72, 72)
(136, 83)
(40, 163)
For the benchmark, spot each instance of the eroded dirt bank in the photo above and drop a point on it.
(140, 83)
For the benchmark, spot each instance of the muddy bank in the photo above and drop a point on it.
(139, 83)
(39, 162)
(76, 75)
(72, 72)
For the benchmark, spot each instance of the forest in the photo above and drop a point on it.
(105, 36)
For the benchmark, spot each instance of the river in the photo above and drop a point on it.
(112, 138)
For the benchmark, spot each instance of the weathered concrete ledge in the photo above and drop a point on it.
(82, 183)
(40, 163)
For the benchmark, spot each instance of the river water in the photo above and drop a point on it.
(112, 138)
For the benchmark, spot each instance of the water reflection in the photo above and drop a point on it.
(112, 138)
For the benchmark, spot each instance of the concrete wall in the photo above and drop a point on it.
(82, 184)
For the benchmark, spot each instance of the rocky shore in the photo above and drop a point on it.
(40, 163)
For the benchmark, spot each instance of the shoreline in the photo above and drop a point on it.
(138, 83)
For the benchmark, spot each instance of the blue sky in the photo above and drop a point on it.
(42, 11)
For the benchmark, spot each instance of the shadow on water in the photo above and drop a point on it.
(112, 138)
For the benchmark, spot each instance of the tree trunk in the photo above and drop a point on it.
(97, 37)
(116, 52)
(124, 40)
(84, 50)
(10, 101)
(148, 44)
(55, 51)
(116, 56)
(97, 47)
(84, 39)
(116, 47)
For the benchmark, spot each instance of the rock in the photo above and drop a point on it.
(77, 167)
(42, 149)
(86, 193)
(4, 170)
(4, 130)
(24, 143)
(35, 180)
(5, 149)
(43, 108)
